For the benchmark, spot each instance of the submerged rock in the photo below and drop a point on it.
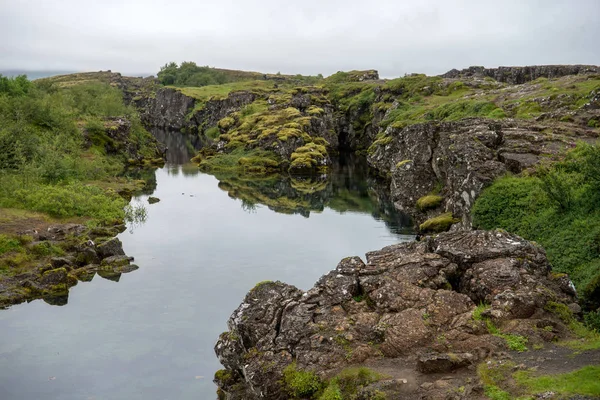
(412, 302)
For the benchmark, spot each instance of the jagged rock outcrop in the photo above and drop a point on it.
(167, 109)
(464, 157)
(519, 75)
(217, 109)
(412, 303)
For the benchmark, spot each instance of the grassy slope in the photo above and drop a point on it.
(45, 164)
(560, 209)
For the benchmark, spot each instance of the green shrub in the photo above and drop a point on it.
(71, 200)
(592, 320)
(8, 243)
(559, 209)
(300, 384)
(332, 392)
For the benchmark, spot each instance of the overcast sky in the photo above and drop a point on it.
(307, 36)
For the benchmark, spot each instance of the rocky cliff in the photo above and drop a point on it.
(414, 305)
(302, 126)
(459, 159)
(520, 75)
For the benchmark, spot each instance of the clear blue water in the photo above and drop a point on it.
(203, 246)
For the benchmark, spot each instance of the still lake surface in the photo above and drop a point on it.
(202, 247)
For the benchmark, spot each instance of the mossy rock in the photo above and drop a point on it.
(428, 202)
(224, 378)
(441, 223)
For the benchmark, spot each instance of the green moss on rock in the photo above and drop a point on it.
(428, 202)
(440, 223)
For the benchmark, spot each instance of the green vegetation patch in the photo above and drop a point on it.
(588, 337)
(559, 208)
(583, 381)
(428, 202)
(255, 161)
(300, 384)
(440, 223)
(9, 243)
(308, 156)
(53, 138)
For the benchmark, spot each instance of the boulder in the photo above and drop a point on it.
(111, 247)
(54, 277)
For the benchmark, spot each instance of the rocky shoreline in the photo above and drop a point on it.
(84, 252)
(415, 305)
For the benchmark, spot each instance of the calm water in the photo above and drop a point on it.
(204, 245)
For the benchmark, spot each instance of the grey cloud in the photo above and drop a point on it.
(308, 37)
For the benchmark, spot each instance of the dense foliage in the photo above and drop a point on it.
(190, 74)
(49, 146)
(559, 207)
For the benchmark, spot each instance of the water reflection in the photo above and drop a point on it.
(346, 188)
(180, 146)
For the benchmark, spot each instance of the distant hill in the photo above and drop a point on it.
(34, 74)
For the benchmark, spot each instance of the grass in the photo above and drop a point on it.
(300, 384)
(479, 310)
(558, 208)
(17, 253)
(583, 381)
(347, 383)
(502, 382)
(220, 92)
(514, 342)
(9, 243)
(61, 201)
(587, 338)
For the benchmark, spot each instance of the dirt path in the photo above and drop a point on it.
(554, 359)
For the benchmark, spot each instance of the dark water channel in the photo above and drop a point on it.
(203, 246)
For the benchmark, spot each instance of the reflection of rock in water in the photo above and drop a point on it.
(57, 299)
(348, 188)
(147, 175)
(110, 275)
(181, 146)
(188, 169)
